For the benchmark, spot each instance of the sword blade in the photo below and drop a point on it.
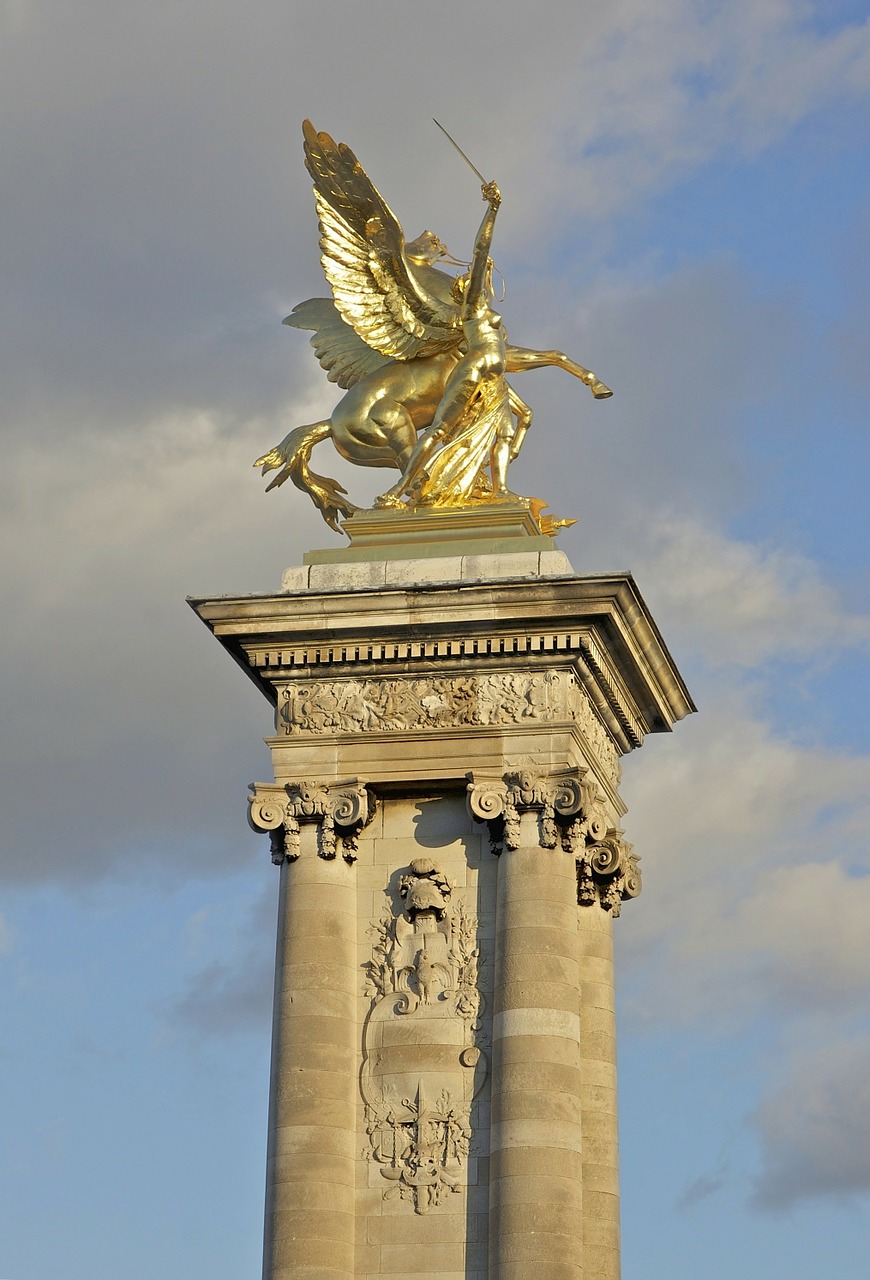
(454, 143)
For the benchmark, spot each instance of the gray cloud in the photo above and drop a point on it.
(704, 1186)
(156, 207)
(159, 224)
(815, 1128)
(233, 993)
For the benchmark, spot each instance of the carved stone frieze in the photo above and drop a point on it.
(571, 814)
(340, 812)
(359, 706)
(580, 710)
(381, 705)
(423, 1063)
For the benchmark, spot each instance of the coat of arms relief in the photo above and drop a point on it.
(423, 1064)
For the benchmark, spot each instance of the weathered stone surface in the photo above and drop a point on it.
(446, 819)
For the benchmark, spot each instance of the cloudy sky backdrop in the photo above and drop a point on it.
(686, 211)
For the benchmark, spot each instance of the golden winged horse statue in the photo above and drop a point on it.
(421, 354)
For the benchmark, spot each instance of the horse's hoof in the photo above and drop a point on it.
(600, 391)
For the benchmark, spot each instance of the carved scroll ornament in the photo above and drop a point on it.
(339, 812)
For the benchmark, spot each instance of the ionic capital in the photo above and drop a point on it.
(607, 872)
(499, 801)
(571, 814)
(340, 811)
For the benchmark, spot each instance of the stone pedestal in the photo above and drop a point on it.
(446, 818)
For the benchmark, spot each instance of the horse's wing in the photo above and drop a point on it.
(340, 350)
(376, 289)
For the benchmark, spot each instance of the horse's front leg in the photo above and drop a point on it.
(521, 358)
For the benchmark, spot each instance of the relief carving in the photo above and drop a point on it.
(406, 703)
(572, 814)
(360, 706)
(339, 812)
(422, 1061)
(581, 712)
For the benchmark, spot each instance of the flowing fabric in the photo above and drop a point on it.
(456, 474)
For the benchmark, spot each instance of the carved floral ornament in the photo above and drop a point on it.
(422, 981)
(571, 815)
(340, 812)
(400, 704)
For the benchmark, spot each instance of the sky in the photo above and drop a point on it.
(685, 210)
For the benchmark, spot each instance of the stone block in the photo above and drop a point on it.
(527, 914)
(531, 1163)
(440, 1228)
(598, 997)
(600, 1177)
(535, 967)
(598, 1097)
(320, 1225)
(542, 1249)
(600, 1044)
(302, 1140)
(512, 1269)
(535, 1135)
(527, 1049)
(601, 1220)
(295, 578)
(544, 1189)
(317, 1167)
(540, 994)
(554, 564)
(543, 1103)
(406, 1257)
(360, 575)
(526, 1076)
(544, 1023)
(519, 564)
(598, 1072)
(418, 573)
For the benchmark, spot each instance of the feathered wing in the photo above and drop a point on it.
(340, 350)
(377, 291)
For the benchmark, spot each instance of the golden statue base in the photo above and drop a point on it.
(489, 528)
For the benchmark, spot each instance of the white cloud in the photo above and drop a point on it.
(743, 604)
(756, 885)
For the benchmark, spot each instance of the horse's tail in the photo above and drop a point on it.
(293, 455)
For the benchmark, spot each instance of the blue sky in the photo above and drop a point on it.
(686, 211)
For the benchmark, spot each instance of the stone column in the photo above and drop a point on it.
(607, 873)
(536, 1142)
(310, 1179)
(601, 1252)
